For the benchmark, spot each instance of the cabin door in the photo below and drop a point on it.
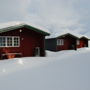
(37, 51)
(73, 45)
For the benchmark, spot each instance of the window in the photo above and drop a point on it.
(16, 41)
(9, 41)
(2, 41)
(37, 51)
(60, 42)
(78, 42)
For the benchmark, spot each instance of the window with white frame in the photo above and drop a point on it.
(16, 41)
(60, 41)
(78, 42)
(2, 41)
(9, 41)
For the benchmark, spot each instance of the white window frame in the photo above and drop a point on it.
(12, 37)
(60, 42)
(38, 51)
(78, 42)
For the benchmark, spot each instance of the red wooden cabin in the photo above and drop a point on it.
(63, 42)
(66, 42)
(21, 41)
(82, 42)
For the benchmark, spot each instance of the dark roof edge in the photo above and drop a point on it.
(68, 34)
(21, 26)
(85, 37)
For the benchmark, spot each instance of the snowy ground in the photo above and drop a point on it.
(64, 70)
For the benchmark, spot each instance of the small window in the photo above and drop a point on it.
(16, 41)
(37, 51)
(60, 42)
(2, 41)
(78, 42)
(9, 41)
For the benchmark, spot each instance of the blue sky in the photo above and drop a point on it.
(53, 14)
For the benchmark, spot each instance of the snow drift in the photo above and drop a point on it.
(65, 70)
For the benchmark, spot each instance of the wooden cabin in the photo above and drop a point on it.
(82, 42)
(21, 41)
(63, 42)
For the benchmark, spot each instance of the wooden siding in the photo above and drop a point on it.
(69, 43)
(83, 43)
(50, 44)
(28, 41)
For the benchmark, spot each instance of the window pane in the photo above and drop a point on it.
(60, 42)
(2, 41)
(78, 42)
(16, 41)
(9, 41)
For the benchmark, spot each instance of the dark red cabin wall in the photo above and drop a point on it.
(28, 41)
(68, 41)
(83, 43)
(65, 46)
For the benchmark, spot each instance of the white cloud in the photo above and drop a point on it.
(13, 9)
(66, 14)
(56, 15)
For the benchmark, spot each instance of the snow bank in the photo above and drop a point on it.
(66, 70)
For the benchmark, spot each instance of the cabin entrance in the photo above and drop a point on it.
(73, 45)
(37, 51)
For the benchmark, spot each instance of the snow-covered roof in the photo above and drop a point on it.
(85, 37)
(11, 25)
(56, 35)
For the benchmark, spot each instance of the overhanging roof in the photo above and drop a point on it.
(68, 34)
(62, 34)
(85, 37)
(17, 26)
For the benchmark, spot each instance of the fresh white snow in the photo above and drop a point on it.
(64, 70)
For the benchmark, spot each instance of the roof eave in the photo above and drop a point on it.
(68, 34)
(84, 37)
(37, 30)
(21, 26)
